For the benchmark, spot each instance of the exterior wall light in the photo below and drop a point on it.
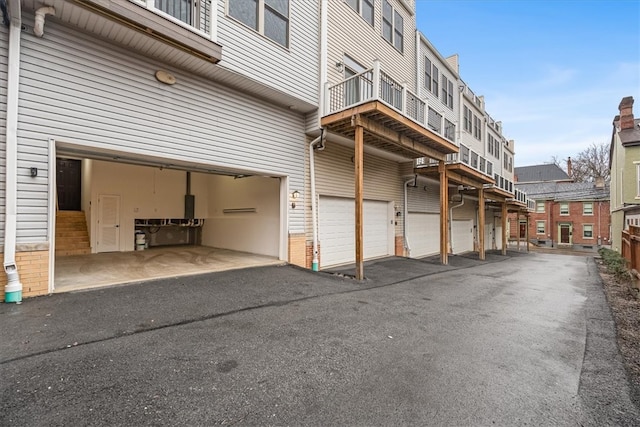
(294, 196)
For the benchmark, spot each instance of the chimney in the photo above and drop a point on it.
(626, 113)
(599, 182)
(569, 169)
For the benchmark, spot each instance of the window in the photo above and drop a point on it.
(540, 207)
(447, 91)
(434, 80)
(268, 17)
(392, 26)
(564, 208)
(490, 144)
(467, 119)
(638, 180)
(180, 9)
(427, 73)
(540, 227)
(510, 166)
(497, 150)
(364, 8)
(449, 130)
(435, 120)
(477, 128)
(587, 231)
(587, 208)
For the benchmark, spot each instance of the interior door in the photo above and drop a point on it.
(108, 223)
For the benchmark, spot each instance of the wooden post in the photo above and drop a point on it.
(504, 228)
(444, 213)
(359, 172)
(481, 252)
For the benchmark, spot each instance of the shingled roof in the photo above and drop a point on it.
(540, 173)
(565, 191)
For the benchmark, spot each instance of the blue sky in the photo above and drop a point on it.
(553, 71)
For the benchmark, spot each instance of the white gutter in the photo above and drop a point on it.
(13, 288)
(312, 175)
(451, 208)
(406, 214)
(38, 26)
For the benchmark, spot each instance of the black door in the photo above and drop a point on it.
(68, 180)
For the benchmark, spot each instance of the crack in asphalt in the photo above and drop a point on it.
(232, 312)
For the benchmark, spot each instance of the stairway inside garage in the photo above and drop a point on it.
(72, 237)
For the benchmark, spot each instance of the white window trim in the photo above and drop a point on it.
(592, 207)
(544, 227)
(568, 209)
(260, 29)
(393, 26)
(592, 233)
(359, 12)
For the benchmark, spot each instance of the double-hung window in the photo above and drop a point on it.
(564, 208)
(364, 8)
(587, 231)
(540, 206)
(427, 73)
(434, 79)
(392, 26)
(587, 208)
(477, 128)
(447, 91)
(540, 227)
(467, 119)
(268, 17)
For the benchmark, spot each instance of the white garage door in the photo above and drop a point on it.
(423, 234)
(337, 230)
(462, 235)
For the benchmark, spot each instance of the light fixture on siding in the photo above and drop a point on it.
(165, 77)
(294, 196)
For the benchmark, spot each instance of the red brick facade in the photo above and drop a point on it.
(575, 227)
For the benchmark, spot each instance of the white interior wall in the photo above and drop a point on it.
(256, 232)
(145, 192)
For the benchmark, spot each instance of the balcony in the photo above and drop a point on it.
(394, 118)
(466, 167)
(173, 35)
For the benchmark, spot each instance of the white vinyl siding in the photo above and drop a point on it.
(335, 177)
(4, 41)
(347, 32)
(103, 97)
(439, 73)
(293, 70)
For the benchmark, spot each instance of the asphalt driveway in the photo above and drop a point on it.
(525, 339)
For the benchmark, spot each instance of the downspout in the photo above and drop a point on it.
(38, 26)
(451, 208)
(407, 248)
(312, 176)
(324, 36)
(13, 288)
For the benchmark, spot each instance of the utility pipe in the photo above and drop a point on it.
(451, 208)
(38, 26)
(312, 176)
(13, 288)
(406, 214)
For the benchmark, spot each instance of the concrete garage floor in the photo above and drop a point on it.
(78, 272)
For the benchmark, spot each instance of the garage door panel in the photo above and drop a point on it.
(423, 234)
(462, 236)
(337, 230)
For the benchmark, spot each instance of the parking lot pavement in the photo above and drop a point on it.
(514, 340)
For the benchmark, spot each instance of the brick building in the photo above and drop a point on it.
(567, 214)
